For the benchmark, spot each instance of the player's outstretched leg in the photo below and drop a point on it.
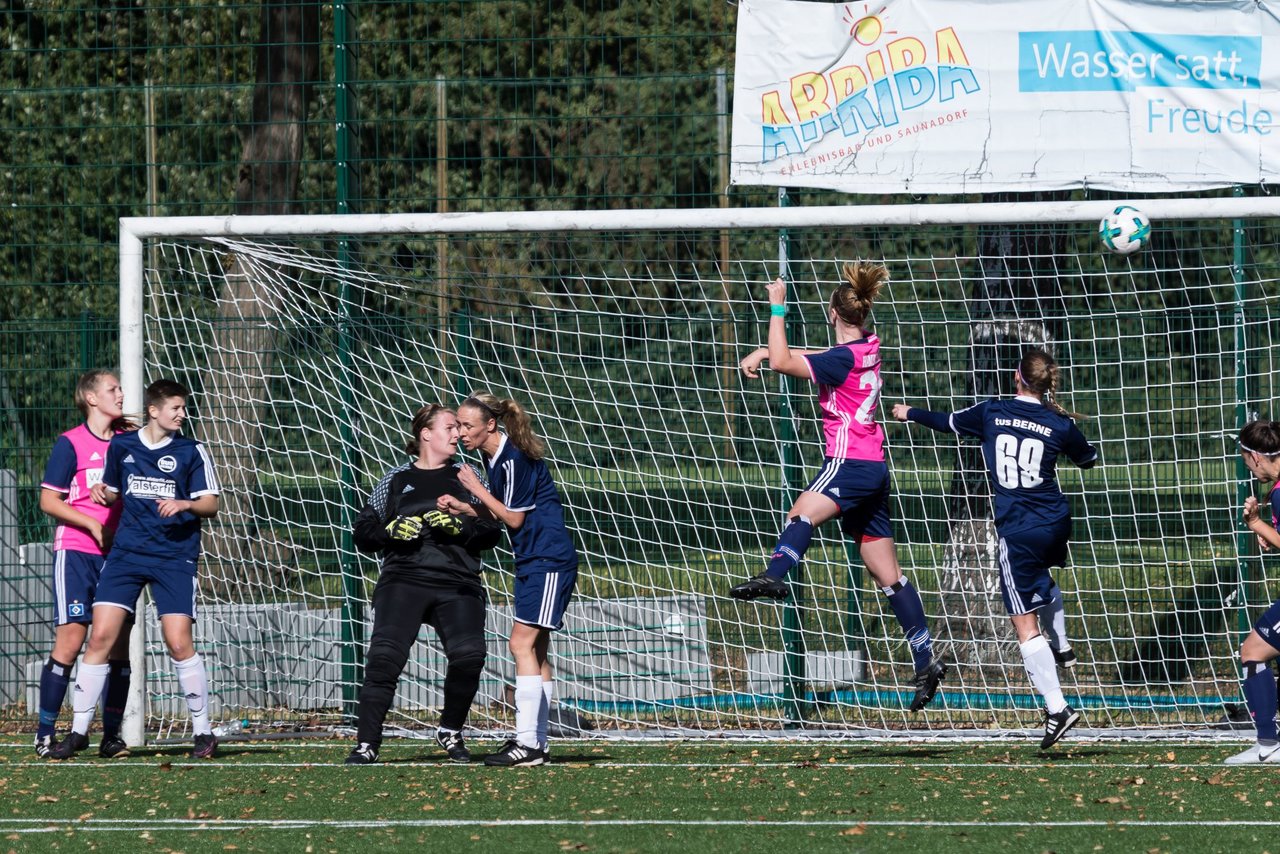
(789, 551)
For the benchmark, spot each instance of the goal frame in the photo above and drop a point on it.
(135, 230)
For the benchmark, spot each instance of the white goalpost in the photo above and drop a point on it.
(309, 341)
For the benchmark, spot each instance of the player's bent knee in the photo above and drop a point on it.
(469, 657)
(1255, 648)
(386, 656)
(382, 669)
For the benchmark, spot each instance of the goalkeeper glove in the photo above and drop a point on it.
(405, 528)
(444, 522)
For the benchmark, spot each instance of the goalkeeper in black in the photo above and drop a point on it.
(430, 574)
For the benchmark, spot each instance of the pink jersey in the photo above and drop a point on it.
(75, 465)
(848, 378)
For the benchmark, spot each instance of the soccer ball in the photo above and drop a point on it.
(1125, 230)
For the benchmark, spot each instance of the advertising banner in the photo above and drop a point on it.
(965, 96)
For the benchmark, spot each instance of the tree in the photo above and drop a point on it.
(287, 63)
(1011, 308)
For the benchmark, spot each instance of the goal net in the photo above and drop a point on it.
(310, 341)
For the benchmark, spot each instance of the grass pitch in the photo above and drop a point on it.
(707, 797)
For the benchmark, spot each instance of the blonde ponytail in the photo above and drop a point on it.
(862, 283)
(513, 418)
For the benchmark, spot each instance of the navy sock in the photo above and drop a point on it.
(114, 697)
(907, 607)
(791, 547)
(1260, 693)
(54, 680)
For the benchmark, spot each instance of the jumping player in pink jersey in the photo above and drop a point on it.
(80, 544)
(853, 483)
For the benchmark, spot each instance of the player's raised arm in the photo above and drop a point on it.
(782, 358)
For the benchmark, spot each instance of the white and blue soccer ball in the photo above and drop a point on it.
(1125, 230)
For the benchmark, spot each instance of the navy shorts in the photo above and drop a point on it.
(1268, 625)
(1025, 560)
(75, 585)
(861, 490)
(542, 597)
(122, 581)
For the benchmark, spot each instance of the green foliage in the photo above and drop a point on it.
(549, 105)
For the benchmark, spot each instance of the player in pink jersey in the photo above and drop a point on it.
(853, 483)
(80, 544)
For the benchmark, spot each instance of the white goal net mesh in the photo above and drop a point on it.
(309, 355)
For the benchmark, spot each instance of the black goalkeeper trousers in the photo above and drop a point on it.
(400, 608)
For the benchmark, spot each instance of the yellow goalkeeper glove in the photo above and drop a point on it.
(405, 528)
(444, 522)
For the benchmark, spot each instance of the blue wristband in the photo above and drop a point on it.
(778, 310)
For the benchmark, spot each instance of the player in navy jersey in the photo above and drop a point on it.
(80, 545)
(1260, 448)
(430, 574)
(167, 485)
(523, 496)
(853, 483)
(1021, 441)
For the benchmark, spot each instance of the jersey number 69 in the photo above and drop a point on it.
(1018, 464)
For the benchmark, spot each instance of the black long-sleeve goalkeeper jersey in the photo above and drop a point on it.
(435, 557)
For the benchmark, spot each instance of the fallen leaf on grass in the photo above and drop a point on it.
(856, 830)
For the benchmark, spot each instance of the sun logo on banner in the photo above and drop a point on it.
(867, 29)
(878, 87)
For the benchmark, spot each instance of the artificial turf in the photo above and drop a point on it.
(623, 796)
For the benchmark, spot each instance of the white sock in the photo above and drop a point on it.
(1053, 621)
(529, 699)
(544, 712)
(1043, 672)
(90, 679)
(195, 685)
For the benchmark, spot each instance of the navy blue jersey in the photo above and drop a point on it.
(1021, 441)
(1274, 500)
(176, 467)
(542, 543)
